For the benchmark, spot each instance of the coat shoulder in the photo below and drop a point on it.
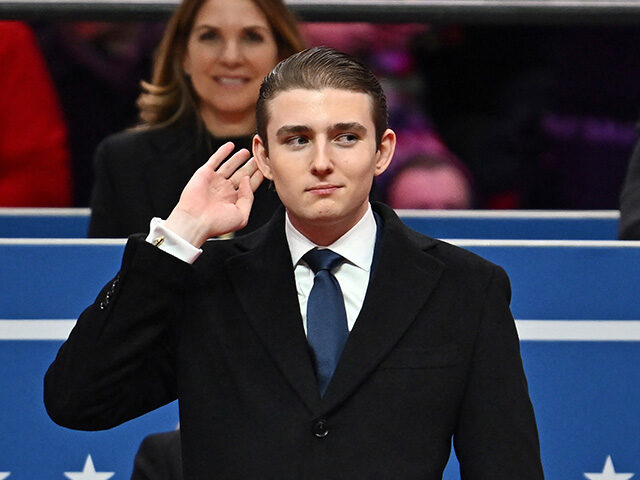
(460, 257)
(452, 256)
(466, 269)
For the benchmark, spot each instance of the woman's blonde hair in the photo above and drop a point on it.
(169, 96)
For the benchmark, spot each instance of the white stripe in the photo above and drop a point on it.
(579, 330)
(528, 330)
(472, 242)
(560, 214)
(45, 212)
(63, 241)
(35, 329)
(506, 214)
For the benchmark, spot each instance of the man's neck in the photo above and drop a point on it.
(356, 245)
(324, 233)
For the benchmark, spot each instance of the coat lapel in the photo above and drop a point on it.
(263, 279)
(403, 279)
(264, 282)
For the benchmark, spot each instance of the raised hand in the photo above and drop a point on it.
(218, 198)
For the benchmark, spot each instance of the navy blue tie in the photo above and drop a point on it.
(327, 329)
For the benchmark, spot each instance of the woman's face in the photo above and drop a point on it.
(230, 50)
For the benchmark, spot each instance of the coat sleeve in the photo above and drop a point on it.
(119, 360)
(629, 228)
(496, 437)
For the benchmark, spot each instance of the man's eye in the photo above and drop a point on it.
(297, 141)
(347, 138)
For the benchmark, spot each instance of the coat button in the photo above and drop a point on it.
(321, 428)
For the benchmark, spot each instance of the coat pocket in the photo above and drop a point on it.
(434, 357)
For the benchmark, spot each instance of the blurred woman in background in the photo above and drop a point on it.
(206, 77)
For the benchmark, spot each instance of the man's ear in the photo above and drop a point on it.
(385, 151)
(261, 156)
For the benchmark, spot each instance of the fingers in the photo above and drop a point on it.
(237, 160)
(246, 170)
(256, 179)
(236, 167)
(219, 155)
(249, 169)
(245, 197)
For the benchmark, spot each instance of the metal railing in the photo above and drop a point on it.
(561, 12)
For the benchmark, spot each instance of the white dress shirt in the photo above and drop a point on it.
(356, 246)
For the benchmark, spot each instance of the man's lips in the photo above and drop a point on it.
(323, 189)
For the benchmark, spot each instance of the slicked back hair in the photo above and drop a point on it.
(316, 69)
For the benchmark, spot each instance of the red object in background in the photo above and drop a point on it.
(34, 157)
(509, 200)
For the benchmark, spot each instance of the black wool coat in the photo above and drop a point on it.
(433, 355)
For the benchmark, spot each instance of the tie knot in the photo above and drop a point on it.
(324, 259)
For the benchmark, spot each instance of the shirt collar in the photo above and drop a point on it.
(356, 246)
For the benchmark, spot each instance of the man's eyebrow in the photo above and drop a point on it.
(350, 126)
(340, 126)
(289, 129)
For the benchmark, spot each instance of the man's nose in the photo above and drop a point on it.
(322, 162)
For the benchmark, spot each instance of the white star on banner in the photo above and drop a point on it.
(608, 473)
(4, 475)
(88, 472)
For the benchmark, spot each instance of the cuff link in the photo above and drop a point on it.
(158, 241)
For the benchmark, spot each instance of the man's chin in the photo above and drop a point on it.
(326, 216)
(317, 218)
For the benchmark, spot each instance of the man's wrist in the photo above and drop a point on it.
(183, 224)
(169, 241)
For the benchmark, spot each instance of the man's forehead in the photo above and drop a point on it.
(338, 103)
(302, 92)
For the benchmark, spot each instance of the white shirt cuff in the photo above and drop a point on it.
(170, 242)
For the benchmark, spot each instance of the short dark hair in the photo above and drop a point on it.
(318, 68)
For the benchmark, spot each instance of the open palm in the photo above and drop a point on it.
(218, 198)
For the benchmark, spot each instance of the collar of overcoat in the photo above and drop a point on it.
(404, 277)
